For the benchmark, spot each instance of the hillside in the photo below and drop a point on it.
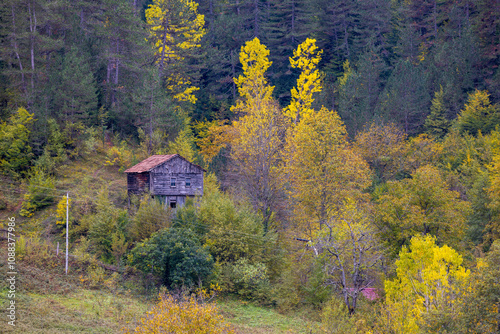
(96, 297)
(350, 153)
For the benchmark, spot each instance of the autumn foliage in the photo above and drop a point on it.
(183, 315)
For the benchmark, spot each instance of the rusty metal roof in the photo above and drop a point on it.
(149, 163)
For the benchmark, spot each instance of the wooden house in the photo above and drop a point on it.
(169, 178)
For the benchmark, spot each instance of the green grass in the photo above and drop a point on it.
(97, 311)
(83, 311)
(248, 318)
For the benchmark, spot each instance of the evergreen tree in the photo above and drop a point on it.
(75, 98)
(486, 24)
(15, 151)
(123, 54)
(155, 113)
(406, 98)
(436, 123)
(34, 30)
(359, 90)
(347, 29)
(479, 114)
(454, 65)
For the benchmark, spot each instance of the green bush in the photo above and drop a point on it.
(335, 318)
(175, 255)
(315, 291)
(15, 151)
(233, 232)
(250, 280)
(40, 192)
(187, 217)
(151, 217)
(107, 223)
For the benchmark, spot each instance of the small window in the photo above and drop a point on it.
(172, 182)
(173, 204)
(188, 182)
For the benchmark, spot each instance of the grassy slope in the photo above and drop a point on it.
(48, 301)
(51, 302)
(251, 319)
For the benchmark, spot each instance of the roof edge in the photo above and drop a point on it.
(172, 156)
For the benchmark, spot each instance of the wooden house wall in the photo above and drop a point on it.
(179, 169)
(137, 183)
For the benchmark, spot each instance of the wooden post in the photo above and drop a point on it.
(67, 228)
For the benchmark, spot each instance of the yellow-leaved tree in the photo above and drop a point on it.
(175, 27)
(257, 152)
(322, 168)
(422, 204)
(430, 280)
(258, 135)
(213, 136)
(384, 148)
(306, 57)
(253, 86)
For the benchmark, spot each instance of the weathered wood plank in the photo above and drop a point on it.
(173, 180)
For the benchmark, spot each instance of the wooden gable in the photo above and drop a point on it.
(177, 177)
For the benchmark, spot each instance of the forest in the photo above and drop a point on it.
(351, 149)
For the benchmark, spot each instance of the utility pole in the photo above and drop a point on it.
(67, 228)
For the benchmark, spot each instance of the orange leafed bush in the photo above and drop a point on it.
(184, 316)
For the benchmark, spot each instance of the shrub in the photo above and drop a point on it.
(106, 222)
(15, 151)
(335, 318)
(233, 232)
(91, 142)
(187, 217)
(39, 192)
(54, 152)
(119, 156)
(151, 217)
(174, 254)
(250, 281)
(183, 316)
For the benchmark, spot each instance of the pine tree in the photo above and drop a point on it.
(406, 98)
(76, 97)
(479, 114)
(359, 90)
(436, 123)
(34, 30)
